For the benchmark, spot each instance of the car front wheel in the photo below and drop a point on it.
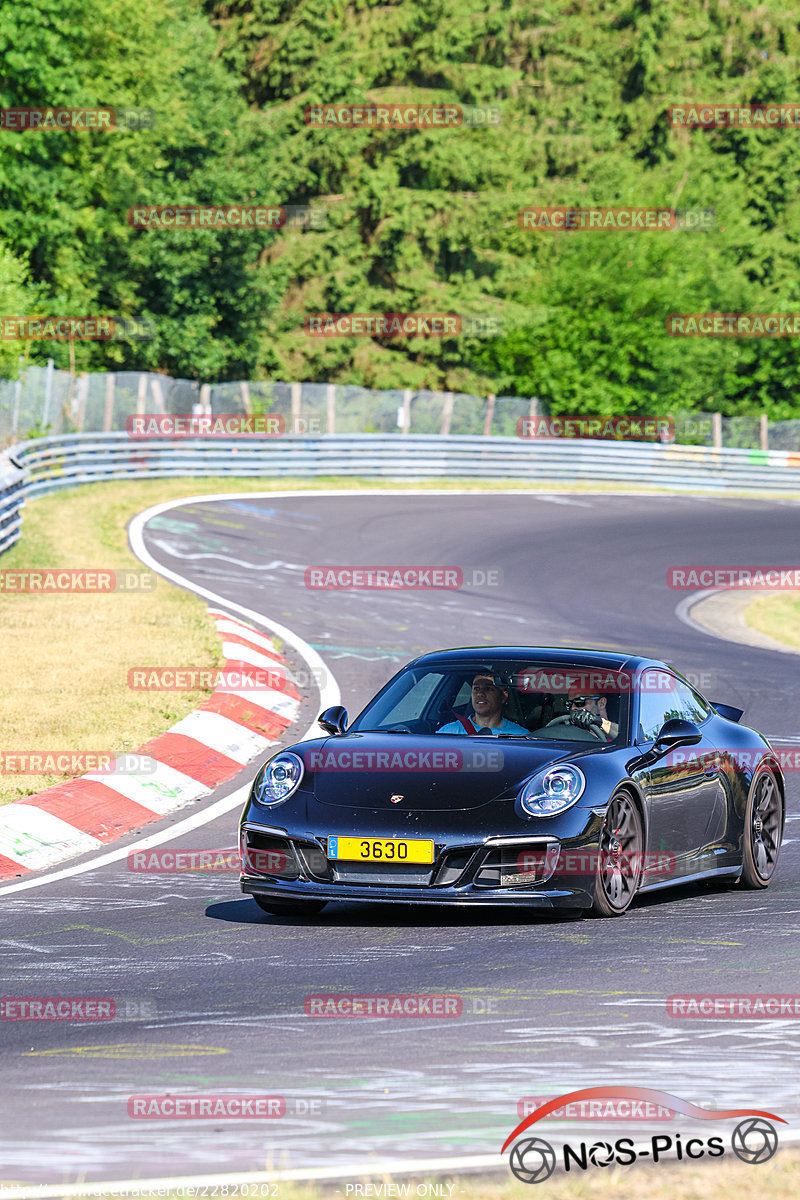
(619, 860)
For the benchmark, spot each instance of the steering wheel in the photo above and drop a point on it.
(595, 729)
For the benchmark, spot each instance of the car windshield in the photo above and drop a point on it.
(510, 698)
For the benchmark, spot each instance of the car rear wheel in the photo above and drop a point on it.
(619, 861)
(763, 825)
(290, 908)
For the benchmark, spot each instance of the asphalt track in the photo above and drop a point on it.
(214, 988)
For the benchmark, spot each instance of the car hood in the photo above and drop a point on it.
(435, 772)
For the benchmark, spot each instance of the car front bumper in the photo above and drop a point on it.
(477, 877)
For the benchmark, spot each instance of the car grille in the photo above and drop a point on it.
(400, 875)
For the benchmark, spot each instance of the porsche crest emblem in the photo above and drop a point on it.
(396, 798)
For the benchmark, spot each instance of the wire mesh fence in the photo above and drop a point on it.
(44, 401)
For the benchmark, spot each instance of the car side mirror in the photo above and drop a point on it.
(677, 732)
(334, 720)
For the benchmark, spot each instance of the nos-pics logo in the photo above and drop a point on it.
(533, 1160)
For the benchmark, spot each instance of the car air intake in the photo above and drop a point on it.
(518, 866)
(265, 854)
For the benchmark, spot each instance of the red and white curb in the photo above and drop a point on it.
(203, 750)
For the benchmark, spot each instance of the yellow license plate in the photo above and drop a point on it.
(384, 850)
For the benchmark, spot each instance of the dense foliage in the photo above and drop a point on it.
(418, 220)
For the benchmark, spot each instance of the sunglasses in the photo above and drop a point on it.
(580, 701)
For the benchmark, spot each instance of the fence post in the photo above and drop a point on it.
(331, 399)
(447, 414)
(108, 414)
(142, 394)
(48, 392)
(248, 407)
(487, 424)
(17, 401)
(205, 399)
(82, 397)
(406, 410)
(296, 394)
(158, 394)
(533, 408)
(764, 431)
(716, 430)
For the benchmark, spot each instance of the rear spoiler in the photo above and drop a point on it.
(728, 711)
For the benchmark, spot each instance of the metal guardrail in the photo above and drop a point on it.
(43, 465)
(12, 500)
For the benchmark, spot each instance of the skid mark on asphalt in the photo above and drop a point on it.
(148, 1050)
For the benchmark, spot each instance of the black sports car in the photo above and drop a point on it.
(514, 775)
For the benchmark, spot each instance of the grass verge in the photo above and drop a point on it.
(778, 616)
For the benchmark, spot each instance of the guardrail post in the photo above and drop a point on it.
(108, 414)
(141, 398)
(487, 424)
(716, 430)
(764, 432)
(331, 405)
(447, 414)
(406, 410)
(296, 393)
(48, 392)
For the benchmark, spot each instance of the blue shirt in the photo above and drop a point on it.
(506, 727)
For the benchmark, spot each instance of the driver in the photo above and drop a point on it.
(488, 699)
(588, 711)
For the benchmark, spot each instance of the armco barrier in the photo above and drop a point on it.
(52, 463)
(12, 500)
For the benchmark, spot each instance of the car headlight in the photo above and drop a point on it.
(279, 779)
(552, 791)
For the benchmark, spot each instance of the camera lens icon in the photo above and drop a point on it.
(754, 1140)
(533, 1160)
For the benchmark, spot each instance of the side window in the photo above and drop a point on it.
(693, 707)
(663, 697)
(657, 702)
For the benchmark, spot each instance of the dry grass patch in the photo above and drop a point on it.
(778, 616)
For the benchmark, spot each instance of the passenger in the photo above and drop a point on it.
(488, 699)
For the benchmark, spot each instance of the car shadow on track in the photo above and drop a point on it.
(247, 912)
